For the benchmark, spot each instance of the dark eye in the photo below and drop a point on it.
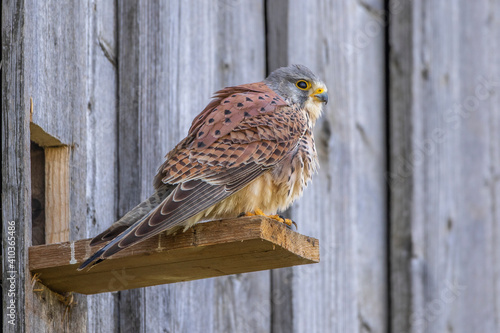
(303, 85)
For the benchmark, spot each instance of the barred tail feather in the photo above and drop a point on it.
(97, 257)
(137, 213)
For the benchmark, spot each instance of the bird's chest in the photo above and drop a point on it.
(293, 174)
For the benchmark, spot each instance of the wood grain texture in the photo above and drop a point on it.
(16, 185)
(444, 115)
(102, 145)
(55, 62)
(132, 302)
(57, 194)
(21, 64)
(494, 148)
(345, 206)
(177, 55)
(277, 38)
(400, 60)
(210, 249)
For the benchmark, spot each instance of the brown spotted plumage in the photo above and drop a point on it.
(250, 149)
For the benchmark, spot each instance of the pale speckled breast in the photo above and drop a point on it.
(294, 174)
(273, 191)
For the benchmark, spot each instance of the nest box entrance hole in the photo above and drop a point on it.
(37, 194)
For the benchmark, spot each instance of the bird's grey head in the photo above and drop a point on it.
(298, 85)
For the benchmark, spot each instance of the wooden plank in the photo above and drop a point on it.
(345, 206)
(400, 103)
(277, 38)
(281, 300)
(16, 207)
(369, 164)
(55, 65)
(207, 250)
(102, 147)
(471, 237)
(194, 48)
(494, 145)
(444, 167)
(131, 302)
(56, 194)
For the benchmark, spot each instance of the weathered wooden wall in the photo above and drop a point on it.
(406, 204)
(16, 184)
(445, 166)
(102, 145)
(45, 60)
(344, 42)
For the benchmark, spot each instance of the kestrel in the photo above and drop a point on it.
(250, 150)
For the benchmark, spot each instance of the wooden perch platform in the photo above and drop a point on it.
(209, 249)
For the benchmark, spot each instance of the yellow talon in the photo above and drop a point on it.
(259, 212)
(34, 280)
(276, 217)
(256, 212)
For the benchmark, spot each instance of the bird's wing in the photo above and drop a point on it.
(245, 131)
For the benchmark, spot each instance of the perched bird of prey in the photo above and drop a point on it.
(250, 150)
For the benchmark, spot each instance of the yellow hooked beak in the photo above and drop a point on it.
(321, 95)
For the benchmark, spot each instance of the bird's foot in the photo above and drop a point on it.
(34, 280)
(284, 220)
(279, 218)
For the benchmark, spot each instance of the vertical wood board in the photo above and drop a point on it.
(57, 189)
(102, 152)
(15, 169)
(54, 73)
(444, 156)
(346, 201)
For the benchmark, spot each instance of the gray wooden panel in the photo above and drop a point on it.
(400, 129)
(173, 57)
(444, 167)
(478, 214)
(494, 144)
(55, 76)
(16, 201)
(131, 303)
(55, 55)
(370, 162)
(50, 62)
(345, 206)
(56, 65)
(102, 145)
(277, 34)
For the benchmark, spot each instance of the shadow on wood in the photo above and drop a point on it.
(207, 250)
